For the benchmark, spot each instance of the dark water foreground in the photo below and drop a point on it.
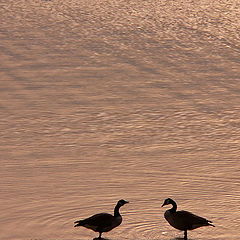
(103, 100)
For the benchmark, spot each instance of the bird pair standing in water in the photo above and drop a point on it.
(181, 220)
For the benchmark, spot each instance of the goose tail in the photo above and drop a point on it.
(78, 223)
(210, 223)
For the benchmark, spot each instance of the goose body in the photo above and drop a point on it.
(183, 220)
(103, 222)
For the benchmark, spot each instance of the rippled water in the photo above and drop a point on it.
(102, 100)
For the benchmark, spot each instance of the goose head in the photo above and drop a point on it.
(168, 201)
(122, 202)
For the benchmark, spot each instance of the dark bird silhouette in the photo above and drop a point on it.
(183, 220)
(103, 222)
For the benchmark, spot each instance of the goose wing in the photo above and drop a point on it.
(190, 220)
(97, 221)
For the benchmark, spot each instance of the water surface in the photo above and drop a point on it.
(103, 100)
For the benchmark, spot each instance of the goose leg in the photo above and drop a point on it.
(185, 234)
(100, 235)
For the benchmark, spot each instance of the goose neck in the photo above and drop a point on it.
(174, 207)
(116, 210)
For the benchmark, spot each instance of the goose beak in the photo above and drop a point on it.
(126, 201)
(163, 204)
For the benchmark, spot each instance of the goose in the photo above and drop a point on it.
(103, 222)
(183, 220)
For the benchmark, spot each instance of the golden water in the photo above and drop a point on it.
(102, 100)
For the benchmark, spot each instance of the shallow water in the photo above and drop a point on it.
(103, 100)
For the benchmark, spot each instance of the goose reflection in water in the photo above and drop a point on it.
(97, 238)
